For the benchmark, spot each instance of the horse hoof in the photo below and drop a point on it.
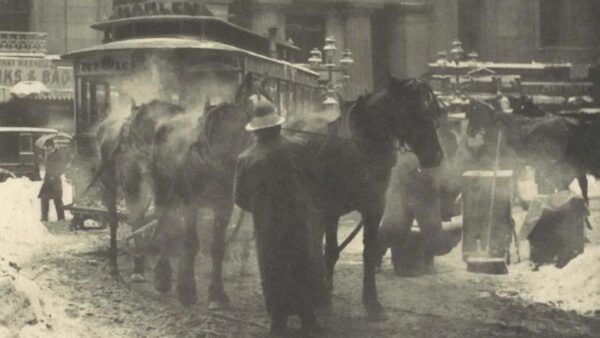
(376, 315)
(187, 294)
(114, 271)
(218, 296)
(162, 277)
(375, 311)
(216, 305)
(137, 278)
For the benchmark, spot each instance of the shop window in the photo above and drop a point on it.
(14, 15)
(306, 31)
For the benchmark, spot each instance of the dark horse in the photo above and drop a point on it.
(352, 159)
(193, 167)
(125, 160)
(565, 148)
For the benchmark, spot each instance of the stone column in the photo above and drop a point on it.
(444, 25)
(507, 30)
(410, 50)
(267, 14)
(358, 40)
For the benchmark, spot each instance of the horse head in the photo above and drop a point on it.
(406, 111)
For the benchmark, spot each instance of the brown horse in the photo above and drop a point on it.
(125, 160)
(352, 158)
(193, 167)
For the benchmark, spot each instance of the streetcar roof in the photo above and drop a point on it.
(174, 42)
(221, 24)
(28, 130)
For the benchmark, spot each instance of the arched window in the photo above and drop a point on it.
(14, 15)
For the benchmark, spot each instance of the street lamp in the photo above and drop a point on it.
(457, 54)
(325, 61)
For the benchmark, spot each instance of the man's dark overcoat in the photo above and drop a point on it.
(56, 164)
(273, 184)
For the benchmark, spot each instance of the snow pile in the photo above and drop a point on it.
(21, 230)
(22, 310)
(574, 287)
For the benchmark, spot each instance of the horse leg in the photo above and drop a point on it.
(138, 204)
(369, 294)
(110, 202)
(217, 297)
(186, 276)
(331, 250)
(162, 269)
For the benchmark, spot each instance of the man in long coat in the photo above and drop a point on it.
(271, 184)
(52, 186)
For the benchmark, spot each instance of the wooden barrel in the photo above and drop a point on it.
(477, 227)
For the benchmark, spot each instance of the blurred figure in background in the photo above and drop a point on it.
(56, 164)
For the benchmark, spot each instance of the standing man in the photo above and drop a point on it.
(272, 185)
(52, 186)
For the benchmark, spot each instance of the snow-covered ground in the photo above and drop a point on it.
(26, 310)
(57, 308)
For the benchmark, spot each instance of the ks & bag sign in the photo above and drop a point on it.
(15, 70)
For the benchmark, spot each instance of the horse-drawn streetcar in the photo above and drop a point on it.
(186, 60)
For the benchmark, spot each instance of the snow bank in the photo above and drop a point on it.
(22, 310)
(21, 231)
(574, 287)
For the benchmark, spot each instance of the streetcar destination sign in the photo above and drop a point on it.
(131, 8)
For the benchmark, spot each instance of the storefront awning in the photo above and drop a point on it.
(53, 95)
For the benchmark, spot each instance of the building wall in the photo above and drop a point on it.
(511, 31)
(385, 36)
(67, 22)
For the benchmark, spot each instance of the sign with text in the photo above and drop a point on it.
(15, 70)
(116, 63)
(131, 8)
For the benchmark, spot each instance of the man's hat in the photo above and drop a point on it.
(264, 117)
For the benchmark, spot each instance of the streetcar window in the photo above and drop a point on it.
(291, 99)
(95, 103)
(299, 100)
(283, 104)
(102, 99)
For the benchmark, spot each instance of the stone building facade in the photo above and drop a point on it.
(396, 37)
(540, 30)
(386, 37)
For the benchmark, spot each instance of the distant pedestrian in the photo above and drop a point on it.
(271, 184)
(52, 186)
